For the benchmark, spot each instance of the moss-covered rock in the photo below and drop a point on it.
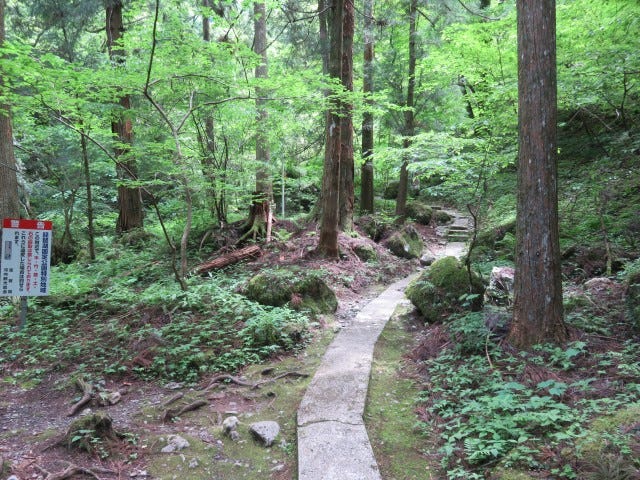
(490, 236)
(441, 217)
(299, 289)
(444, 289)
(374, 226)
(406, 243)
(419, 213)
(365, 252)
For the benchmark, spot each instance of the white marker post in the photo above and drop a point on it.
(25, 260)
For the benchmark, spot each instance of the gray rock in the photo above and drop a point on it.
(427, 260)
(500, 290)
(265, 432)
(13, 477)
(230, 424)
(175, 443)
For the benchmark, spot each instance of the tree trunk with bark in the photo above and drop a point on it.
(346, 195)
(260, 214)
(130, 209)
(538, 312)
(409, 116)
(366, 189)
(328, 241)
(9, 199)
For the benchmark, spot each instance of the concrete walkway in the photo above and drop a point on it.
(332, 439)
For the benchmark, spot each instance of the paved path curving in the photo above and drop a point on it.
(332, 439)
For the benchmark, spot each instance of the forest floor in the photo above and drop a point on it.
(35, 418)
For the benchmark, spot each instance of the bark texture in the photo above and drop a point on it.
(346, 196)
(538, 313)
(409, 116)
(328, 241)
(366, 189)
(130, 210)
(9, 200)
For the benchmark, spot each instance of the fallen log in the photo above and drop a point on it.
(229, 259)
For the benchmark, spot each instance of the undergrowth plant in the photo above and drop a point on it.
(109, 321)
(491, 406)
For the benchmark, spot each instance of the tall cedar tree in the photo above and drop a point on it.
(328, 241)
(260, 213)
(409, 117)
(366, 189)
(537, 314)
(346, 197)
(131, 212)
(9, 201)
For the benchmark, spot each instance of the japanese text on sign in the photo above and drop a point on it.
(25, 257)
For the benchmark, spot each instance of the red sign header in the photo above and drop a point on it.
(27, 224)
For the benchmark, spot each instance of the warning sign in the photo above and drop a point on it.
(25, 257)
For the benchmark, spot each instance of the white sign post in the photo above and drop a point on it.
(25, 260)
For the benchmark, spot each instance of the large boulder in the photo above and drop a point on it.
(419, 213)
(444, 289)
(374, 226)
(406, 243)
(299, 289)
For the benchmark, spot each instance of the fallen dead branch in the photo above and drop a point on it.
(172, 413)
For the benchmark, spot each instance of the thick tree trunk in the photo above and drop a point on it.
(538, 315)
(9, 200)
(130, 209)
(264, 184)
(347, 196)
(328, 241)
(366, 189)
(409, 116)
(214, 163)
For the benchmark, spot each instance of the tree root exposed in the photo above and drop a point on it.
(87, 396)
(72, 470)
(172, 413)
(225, 377)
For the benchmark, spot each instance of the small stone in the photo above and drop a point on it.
(193, 463)
(13, 477)
(265, 432)
(230, 424)
(175, 443)
(278, 468)
(427, 260)
(174, 385)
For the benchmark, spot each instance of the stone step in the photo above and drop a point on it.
(457, 238)
(459, 228)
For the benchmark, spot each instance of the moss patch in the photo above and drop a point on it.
(419, 213)
(445, 288)
(389, 413)
(301, 290)
(406, 243)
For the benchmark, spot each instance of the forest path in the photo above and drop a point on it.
(332, 438)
